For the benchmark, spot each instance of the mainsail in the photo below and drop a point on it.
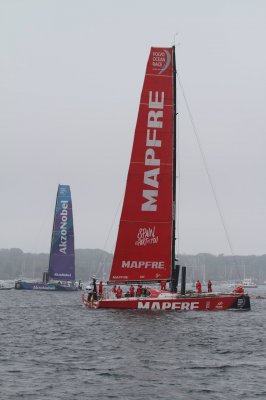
(144, 248)
(62, 256)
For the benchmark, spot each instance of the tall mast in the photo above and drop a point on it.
(174, 165)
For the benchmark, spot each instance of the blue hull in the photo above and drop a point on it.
(23, 285)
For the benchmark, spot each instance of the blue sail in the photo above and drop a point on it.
(62, 254)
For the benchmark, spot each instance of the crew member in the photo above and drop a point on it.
(131, 291)
(95, 296)
(238, 289)
(139, 291)
(119, 292)
(114, 289)
(100, 289)
(90, 294)
(209, 286)
(163, 285)
(198, 286)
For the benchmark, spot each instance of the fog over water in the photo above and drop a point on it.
(71, 75)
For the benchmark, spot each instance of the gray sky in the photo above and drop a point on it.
(71, 74)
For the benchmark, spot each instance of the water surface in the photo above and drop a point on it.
(53, 348)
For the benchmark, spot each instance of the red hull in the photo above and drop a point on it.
(163, 300)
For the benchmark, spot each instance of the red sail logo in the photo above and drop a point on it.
(161, 60)
(146, 236)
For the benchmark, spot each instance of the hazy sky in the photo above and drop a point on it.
(71, 74)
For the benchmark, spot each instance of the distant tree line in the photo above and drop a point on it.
(224, 268)
(14, 263)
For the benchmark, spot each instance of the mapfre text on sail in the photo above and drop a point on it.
(154, 124)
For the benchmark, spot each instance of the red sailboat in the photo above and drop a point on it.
(145, 248)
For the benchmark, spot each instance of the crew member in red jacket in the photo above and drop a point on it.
(139, 291)
(209, 286)
(119, 292)
(198, 286)
(163, 285)
(131, 291)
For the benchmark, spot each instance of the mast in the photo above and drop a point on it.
(173, 274)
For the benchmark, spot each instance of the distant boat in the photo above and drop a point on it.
(6, 284)
(3, 287)
(145, 247)
(61, 271)
(248, 283)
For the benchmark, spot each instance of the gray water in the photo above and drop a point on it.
(53, 348)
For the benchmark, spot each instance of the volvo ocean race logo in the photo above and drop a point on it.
(63, 227)
(161, 60)
(146, 236)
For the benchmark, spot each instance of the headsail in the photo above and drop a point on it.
(62, 256)
(144, 244)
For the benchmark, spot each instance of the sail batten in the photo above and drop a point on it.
(62, 256)
(144, 244)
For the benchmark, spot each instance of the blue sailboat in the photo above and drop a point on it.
(61, 271)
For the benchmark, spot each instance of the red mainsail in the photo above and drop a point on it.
(144, 244)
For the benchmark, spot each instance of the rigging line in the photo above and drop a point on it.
(104, 258)
(205, 165)
(112, 224)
